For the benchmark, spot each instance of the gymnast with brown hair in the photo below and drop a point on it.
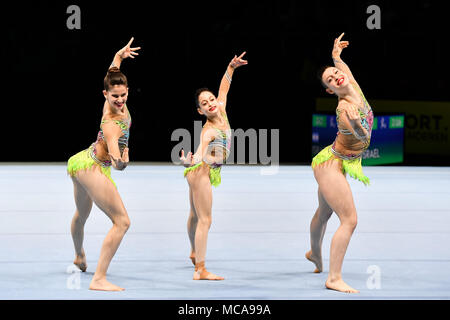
(90, 171)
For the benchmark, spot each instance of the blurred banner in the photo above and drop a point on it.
(426, 123)
(386, 144)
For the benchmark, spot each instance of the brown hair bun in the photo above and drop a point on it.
(113, 70)
(114, 77)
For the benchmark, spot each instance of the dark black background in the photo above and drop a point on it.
(52, 76)
(280, 309)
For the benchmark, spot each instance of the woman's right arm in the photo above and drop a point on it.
(192, 159)
(351, 119)
(112, 132)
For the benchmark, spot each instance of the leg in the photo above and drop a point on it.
(83, 208)
(107, 198)
(338, 195)
(192, 226)
(317, 231)
(202, 198)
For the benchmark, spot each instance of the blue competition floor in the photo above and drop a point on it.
(260, 232)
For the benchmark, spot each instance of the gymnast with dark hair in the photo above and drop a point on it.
(90, 171)
(203, 168)
(354, 118)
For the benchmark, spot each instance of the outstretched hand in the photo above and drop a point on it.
(236, 62)
(186, 161)
(353, 115)
(127, 51)
(339, 46)
(121, 163)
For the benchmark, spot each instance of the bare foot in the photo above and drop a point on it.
(340, 285)
(202, 274)
(315, 260)
(192, 257)
(206, 275)
(80, 262)
(104, 285)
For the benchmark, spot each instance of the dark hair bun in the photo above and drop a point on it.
(114, 77)
(113, 70)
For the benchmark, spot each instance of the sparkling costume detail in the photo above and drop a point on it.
(351, 161)
(87, 158)
(219, 146)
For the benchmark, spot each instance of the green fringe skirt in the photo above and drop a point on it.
(83, 161)
(352, 167)
(214, 173)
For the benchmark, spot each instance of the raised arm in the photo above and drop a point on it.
(125, 52)
(336, 55)
(225, 84)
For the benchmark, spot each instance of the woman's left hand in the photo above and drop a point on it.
(339, 46)
(236, 62)
(353, 115)
(121, 163)
(186, 161)
(127, 51)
